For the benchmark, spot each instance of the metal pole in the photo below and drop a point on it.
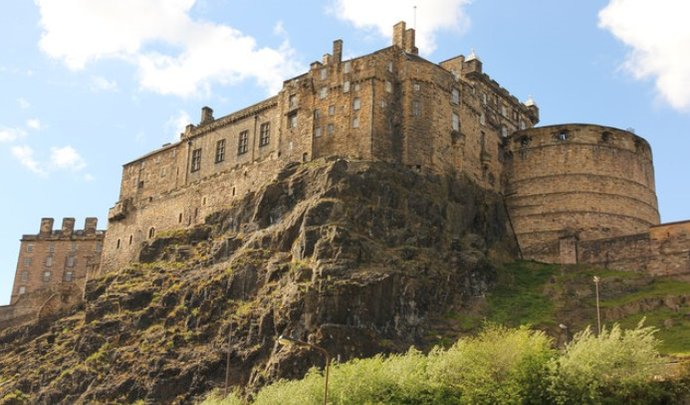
(288, 340)
(596, 285)
(227, 363)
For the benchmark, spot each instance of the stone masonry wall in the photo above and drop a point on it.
(390, 105)
(664, 250)
(586, 181)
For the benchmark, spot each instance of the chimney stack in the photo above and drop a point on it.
(409, 42)
(206, 115)
(399, 35)
(67, 227)
(337, 51)
(46, 226)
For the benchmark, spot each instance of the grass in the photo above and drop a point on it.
(518, 298)
(544, 295)
(674, 336)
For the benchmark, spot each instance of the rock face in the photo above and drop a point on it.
(355, 257)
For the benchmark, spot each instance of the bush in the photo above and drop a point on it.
(615, 366)
(500, 365)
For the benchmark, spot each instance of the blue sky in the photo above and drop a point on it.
(87, 85)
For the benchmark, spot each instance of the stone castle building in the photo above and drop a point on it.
(574, 192)
(569, 189)
(52, 268)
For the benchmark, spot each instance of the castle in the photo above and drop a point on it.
(574, 192)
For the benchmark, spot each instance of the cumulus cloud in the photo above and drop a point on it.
(659, 35)
(25, 155)
(381, 15)
(67, 158)
(11, 134)
(33, 123)
(177, 123)
(194, 54)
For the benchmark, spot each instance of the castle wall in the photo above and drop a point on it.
(54, 258)
(663, 250)
(586, 181)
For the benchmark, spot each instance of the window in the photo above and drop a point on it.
(389, 87)
(317, 132)
(562, 136)
(73, 247)
(482, 119)
(69, 262)
(152, 232)
(30, 247)
(346, 87)
(243, 143)
(51, 248)
(22, 290)
(25, 276)
(196, 159)
(292, 101)
(141, 184)
(390, 67)
(522, 124)
(265, 133)
(331, 110)
(46, 276)
(27, 261)
(455, 122)
(67, 277)
(484, 98)
(455, 96)
(346, 67)
(504, 111)
(357, 86)
(356, 104)
(504, 131)
(330, 129)
(355, 122)
(605, 136)
(99, 246)
(292, 120)
(220, 150)
(317, 115)
(49, 261)
(323, 74)
(323, 92)
(416, 86)
(416, 109)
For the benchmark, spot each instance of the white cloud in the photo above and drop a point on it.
(66, 157)
(23, 103)
(381, 15)
(11, 134)
(177, 123)
(89, 177)
(25, 155)
(99, 83)
(34, 123)
(659, 35)
(194, 55)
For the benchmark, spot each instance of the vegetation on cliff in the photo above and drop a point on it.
(359, 258)
(499, 366)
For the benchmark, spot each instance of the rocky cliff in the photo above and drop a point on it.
(356, 257)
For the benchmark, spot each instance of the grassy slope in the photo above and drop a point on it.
(548, 295)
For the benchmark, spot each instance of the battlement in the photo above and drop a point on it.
(67, 231)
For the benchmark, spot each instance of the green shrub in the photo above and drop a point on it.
(618, 365)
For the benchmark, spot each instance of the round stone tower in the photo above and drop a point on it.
(572, 182)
